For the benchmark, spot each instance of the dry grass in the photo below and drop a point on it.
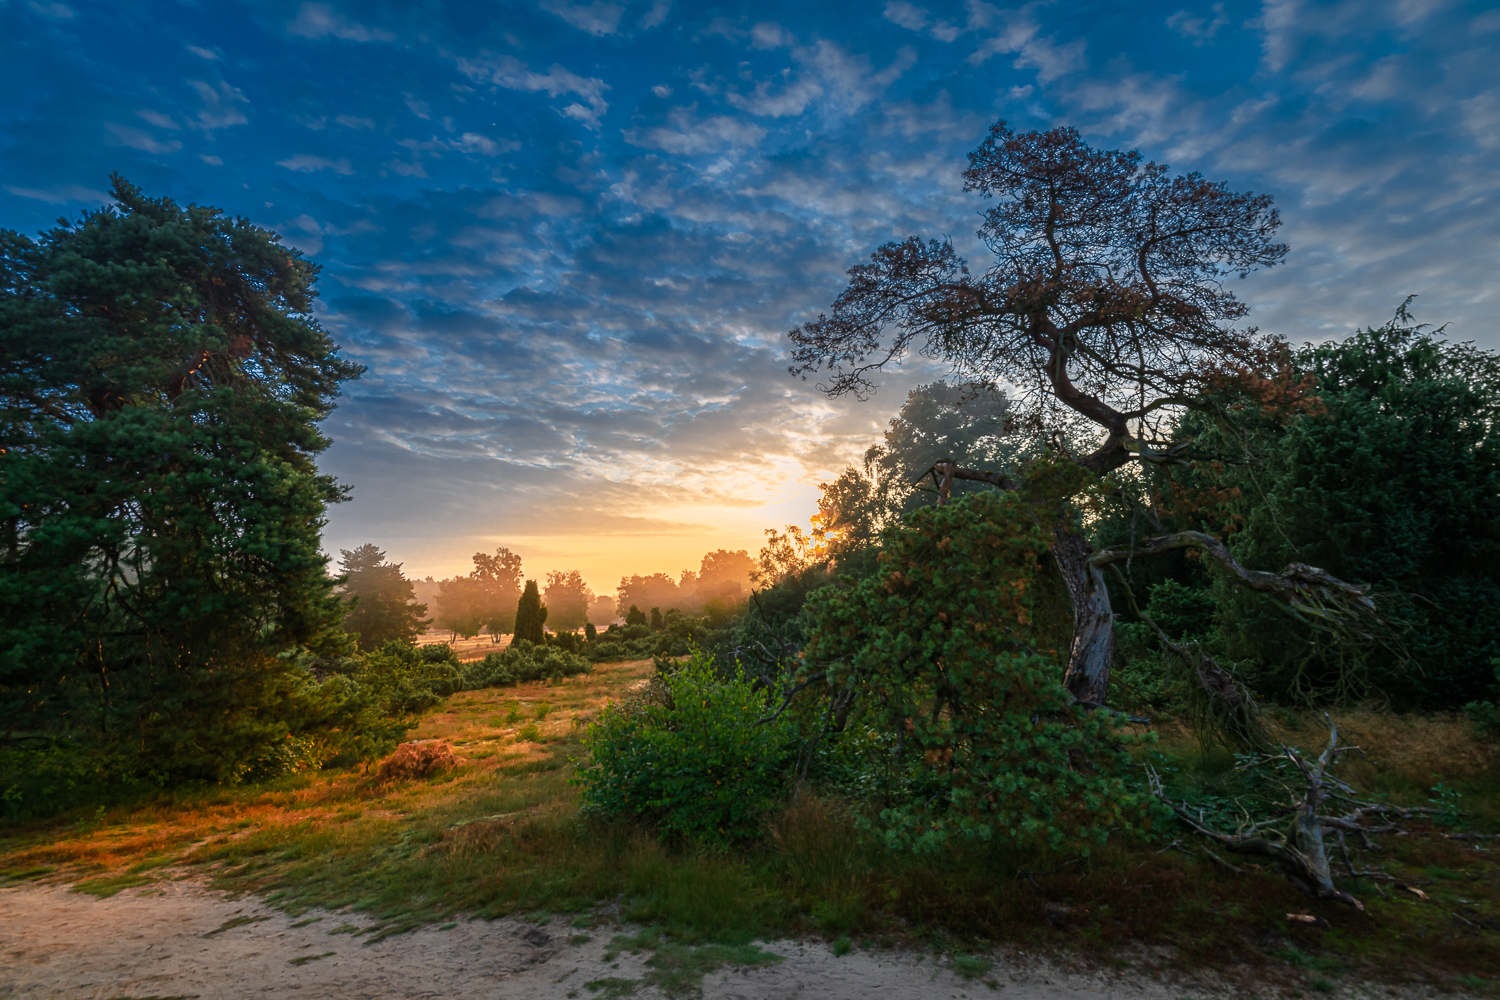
(418, 760)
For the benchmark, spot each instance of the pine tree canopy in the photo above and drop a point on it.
(161, 582)
(383, 599)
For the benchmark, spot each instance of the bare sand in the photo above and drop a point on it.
(177, 939)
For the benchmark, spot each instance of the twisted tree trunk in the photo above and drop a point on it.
(1093, 649)
(1308, 592)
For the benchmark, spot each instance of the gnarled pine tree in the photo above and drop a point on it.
(1105, 296)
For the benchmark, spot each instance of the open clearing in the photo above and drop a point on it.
(177, 939)
(485, 882)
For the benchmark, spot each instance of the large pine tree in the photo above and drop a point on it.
(162, 588)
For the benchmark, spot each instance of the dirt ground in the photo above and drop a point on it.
(178, 940)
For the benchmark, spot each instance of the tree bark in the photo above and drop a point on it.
(1087, 676)
(1093, 648)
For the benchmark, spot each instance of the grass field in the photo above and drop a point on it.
(502, 835)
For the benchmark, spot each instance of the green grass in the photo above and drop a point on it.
(677, 967)
(970, 966)
(107, 887)
(310, 958)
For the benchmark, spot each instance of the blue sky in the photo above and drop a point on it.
(568, 239)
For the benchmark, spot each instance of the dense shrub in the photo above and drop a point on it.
(679, 634)
(1485, 715)
(522, 662)
(688, 755)
(950, 651)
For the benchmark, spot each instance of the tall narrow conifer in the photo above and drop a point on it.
(531, 614)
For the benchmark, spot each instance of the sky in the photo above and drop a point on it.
(567, 240)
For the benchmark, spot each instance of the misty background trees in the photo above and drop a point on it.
(383, 605)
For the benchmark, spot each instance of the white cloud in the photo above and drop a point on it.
(656, 15)
(55, 11)
(907, 15)
(662, 90)
(1196, 26)
(1481, 116)
(60, 194)
(219, 106)
(317, 20)
(307, 164)
(418, 107)
(141, 139)
(770, 35)
(1017, 32)
(834, 79)
(598, 18)
(686, 134)
(767, 101)
(158, 119)
(513, 74)
(914, 18)
(203, 53)
(349, 121)
(212, 161)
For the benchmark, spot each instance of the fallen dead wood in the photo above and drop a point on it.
(1298, 847)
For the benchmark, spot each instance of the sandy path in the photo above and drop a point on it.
(163, 942)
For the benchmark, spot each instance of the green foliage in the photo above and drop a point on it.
(656, 619)
(162, 588)
(531, 615)
(590, 633)
(635, 616)
(383, 609)
(1485, 715)
(679, 634)
(688, 755)
(1395, 482)
(522, 662)
(568, 600)
(961, 423)
(1449, 802)
(943, 645)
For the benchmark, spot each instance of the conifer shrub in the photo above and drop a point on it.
(531, 615)
(942, 648)
(522, 662)
(689, 755)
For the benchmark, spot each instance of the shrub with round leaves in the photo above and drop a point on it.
(688, 755)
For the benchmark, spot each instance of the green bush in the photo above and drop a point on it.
(957, 660)
(689, 756)
(678, 636)
(1485, 715)
(523, 662)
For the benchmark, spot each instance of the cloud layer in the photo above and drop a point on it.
(568, 238)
